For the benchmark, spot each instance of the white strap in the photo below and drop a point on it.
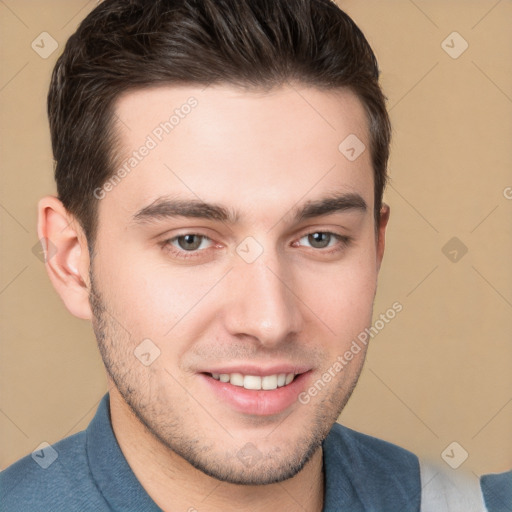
(449, 491)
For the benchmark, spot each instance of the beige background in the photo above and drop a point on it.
(441, 371)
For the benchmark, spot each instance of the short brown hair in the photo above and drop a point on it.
(130, 44)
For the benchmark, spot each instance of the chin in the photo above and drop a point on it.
(251, 467)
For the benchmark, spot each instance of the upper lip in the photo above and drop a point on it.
(259, 370)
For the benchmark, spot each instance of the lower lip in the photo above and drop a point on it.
(258, 402)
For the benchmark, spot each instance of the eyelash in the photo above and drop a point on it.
(167, 245)
(343, 241)
(174, 251)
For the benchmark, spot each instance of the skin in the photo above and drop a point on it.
(263, 157)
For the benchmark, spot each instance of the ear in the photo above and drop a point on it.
(66, 255)
(381, 233)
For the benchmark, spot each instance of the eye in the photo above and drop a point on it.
(190, 242)
(320, 240)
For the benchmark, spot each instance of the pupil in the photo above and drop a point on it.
(319, 240)
(189, 242)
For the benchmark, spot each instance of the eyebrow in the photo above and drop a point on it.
(329, 205)
(164, 208)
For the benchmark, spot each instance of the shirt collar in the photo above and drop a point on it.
(111, 473)
(120, 488)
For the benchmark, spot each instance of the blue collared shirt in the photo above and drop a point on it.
(88, 472)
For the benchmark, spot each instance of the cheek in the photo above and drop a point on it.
(153, 300)
(342, 296)
(135, 293)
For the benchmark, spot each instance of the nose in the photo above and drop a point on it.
(262, 304)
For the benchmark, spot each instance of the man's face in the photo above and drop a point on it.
(241, 247)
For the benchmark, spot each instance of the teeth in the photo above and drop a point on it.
(237, 379)
(269, 382)
(250, 382)
(255, 382)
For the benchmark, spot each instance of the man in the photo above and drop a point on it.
(220, 167)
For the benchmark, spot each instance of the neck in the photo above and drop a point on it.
(174, 484)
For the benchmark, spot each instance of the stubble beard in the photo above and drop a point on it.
(163, 422)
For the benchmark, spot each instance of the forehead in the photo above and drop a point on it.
(243, 149)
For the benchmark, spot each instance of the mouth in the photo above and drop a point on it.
(249, 392)
(256, 382)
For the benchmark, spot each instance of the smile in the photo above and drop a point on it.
(258, 390)
(255, 382)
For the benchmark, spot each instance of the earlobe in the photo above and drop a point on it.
(66, 255)
(381, 238)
